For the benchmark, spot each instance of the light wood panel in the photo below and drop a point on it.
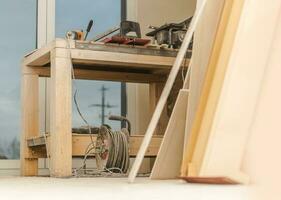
(196, 136)
(162, 101)
(88, 74)
(168, 161)
(204, 37)
(60, 116)
(81, 141)
(243, 80)
(30, 122)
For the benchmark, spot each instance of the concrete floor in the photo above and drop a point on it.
(114, 189)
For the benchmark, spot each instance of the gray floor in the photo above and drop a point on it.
(114, 189)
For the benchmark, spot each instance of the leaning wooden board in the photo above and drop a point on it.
(200, 135)
(202, 48)
(168, 160)
(241, 85)
(211, 68)
(244, 79)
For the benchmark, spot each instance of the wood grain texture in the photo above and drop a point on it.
(30, 122)
(210, 72)
(243, 80)
(155, 90)
(60, 116)
(94, 74)
(204, 37)
(169, 158)
(216, 68)
(81, 141)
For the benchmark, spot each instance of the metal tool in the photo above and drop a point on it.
(79, 34)
(171, 34)
(128, 27)
(91, 22)
(106, 33)
(129, 34)
(74, 35)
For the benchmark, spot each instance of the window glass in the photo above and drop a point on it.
(18, 37)
(75, 15)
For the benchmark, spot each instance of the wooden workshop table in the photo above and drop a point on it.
(91, 61)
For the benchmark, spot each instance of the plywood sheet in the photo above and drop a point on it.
(194, 135)
(236, 107)
(168, 161)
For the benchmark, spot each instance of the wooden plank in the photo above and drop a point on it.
(60, 116)
(202, 48)
(168, 161)
(152, 150)
(217, 84)
(211, 69)
(89, 57)
(81, 141)
(41, 57)
(167, 165)
(130, 49)
(243, 80)
(165, 93)
(30, 122)
(103, 75)
(119, 76)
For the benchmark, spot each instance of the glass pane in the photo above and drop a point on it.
(18, 37)
(75, 15)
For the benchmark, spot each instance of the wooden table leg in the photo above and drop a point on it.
(30, 122)
(155, 90)
(60, 114)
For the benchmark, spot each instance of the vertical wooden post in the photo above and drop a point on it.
(60, 114)
(155, 90)
(29, 120)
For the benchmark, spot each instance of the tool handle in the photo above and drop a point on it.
(121, 118)
(91, 22)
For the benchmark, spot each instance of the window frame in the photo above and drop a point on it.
(45, 26)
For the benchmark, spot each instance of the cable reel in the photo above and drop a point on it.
(112, 147)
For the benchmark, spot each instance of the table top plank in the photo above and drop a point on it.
(102, 57)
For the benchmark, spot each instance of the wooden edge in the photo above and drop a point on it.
(168, 161)
(102, 75)
(192, 150)
(120, 59)
(81, 141)
(41, 57)
(210, 180)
